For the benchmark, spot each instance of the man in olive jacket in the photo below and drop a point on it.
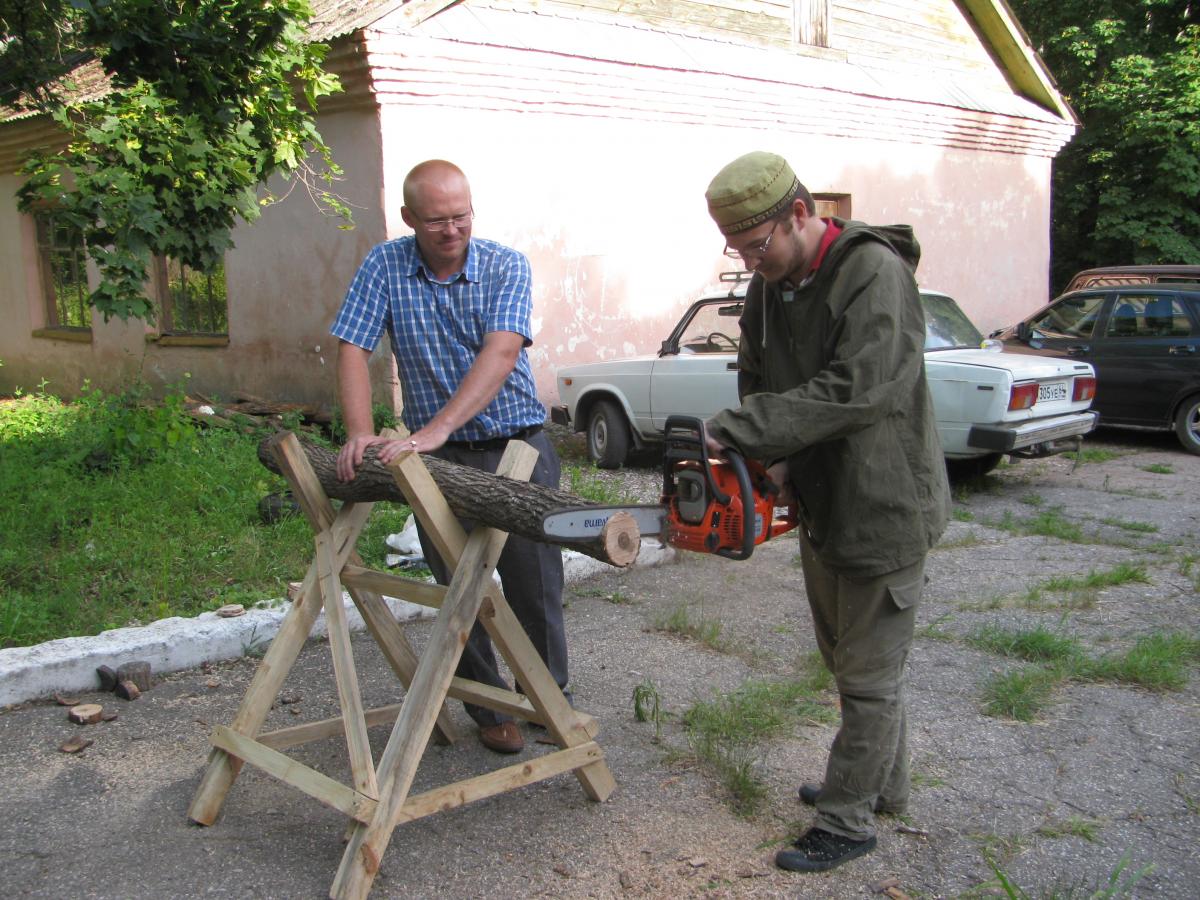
(834, 400)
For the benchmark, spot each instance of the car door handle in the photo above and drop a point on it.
(1078, 349)
(731, 367)
(1180, 349)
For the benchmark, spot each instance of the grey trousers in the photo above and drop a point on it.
(531, 574)
(864, 629)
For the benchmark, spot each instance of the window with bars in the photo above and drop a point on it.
(190, 302)
(62, 257)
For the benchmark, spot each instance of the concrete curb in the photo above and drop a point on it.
(69, 664)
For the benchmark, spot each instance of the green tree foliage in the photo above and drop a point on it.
(1127, 188)
(202, 111)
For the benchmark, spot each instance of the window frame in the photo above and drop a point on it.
(169, 332)
(45, 249)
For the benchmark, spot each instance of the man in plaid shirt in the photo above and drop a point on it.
(457, 310)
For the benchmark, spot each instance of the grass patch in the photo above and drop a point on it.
(1035, 645)
(1118, 883)
(1033, 499)
(962, 514)
(1158, 469)
(1048, 523)
(1093, 455)
(967, 540)
(934, 631)
(586, 482)
(726, 733)
(1157, 662)
(137, 515)
(1126, 525)
(679, 621)
(1073, 826)
(1021, 695)
(1081, 591)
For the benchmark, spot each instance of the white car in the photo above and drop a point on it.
(989, 401)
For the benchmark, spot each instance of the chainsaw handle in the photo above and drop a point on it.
(685, 439)
(749, 512)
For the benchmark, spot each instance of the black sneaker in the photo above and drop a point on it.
(818, 850)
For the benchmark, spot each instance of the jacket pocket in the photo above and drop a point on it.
(906, 595)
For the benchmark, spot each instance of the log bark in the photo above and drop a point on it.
(517, 507)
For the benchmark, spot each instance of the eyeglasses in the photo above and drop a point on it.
(758, 251)
(460, 222)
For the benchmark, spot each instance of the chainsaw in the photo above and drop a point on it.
(726, 507)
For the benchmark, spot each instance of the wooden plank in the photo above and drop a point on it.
(440, 524)
(397, 650)
(310, 781)
(509, 778)
(283, 738)
(398, 765)
(544, 693)
(345, 673)
(306, 487)
(460, 689)
(222, 770)
(413, 591)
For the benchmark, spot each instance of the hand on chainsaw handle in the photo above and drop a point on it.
(778, 474)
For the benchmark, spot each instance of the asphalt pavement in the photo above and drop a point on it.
(1109, 772)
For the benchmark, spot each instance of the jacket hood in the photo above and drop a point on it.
(899, 237)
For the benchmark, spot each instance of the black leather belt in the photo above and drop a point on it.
(497, 443)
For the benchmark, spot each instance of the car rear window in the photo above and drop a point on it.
(946, 326)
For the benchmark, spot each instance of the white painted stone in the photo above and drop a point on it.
(69, 664)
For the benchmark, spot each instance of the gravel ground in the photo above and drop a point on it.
(1107, 771)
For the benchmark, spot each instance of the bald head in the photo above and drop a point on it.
(433, 177)
(437, 207)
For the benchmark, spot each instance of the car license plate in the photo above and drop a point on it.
(1054, 390)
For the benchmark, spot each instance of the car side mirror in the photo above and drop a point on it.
(1023, 332)
(667, 347)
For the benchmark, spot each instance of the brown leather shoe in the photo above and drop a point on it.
(503, 738)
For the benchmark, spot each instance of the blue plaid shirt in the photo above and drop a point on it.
(437, 329)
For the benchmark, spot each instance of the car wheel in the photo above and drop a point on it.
(608, 435)
(1187, 424)
(975, 467)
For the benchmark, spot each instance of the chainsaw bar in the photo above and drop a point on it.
(581, 523)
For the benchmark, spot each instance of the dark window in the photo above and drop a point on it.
(63, 261)
(1149, 315)
(190, 301)
(1073, 316)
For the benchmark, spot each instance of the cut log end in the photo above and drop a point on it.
(85, 713)
(621, 539)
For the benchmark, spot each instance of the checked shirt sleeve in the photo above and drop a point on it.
(512, 306)
(363, 317)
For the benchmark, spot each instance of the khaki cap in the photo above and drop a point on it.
(750, 190)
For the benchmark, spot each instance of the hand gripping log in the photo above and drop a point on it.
(517, 507)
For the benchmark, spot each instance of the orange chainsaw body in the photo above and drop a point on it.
(725, 506)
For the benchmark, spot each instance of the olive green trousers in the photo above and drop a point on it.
(864, 629)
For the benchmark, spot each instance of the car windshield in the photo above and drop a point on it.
(1072, 316)
(946, 326)
(713, 329)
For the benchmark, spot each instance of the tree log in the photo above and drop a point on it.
(517, 507)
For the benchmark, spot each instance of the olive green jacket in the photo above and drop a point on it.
(832, 378)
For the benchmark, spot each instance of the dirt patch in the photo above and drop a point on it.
(1108, 770)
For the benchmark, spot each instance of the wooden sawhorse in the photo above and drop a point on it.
(379, 799)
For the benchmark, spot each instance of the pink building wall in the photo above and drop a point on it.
(612, 216)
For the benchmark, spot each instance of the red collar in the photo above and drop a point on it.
(832, 230)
